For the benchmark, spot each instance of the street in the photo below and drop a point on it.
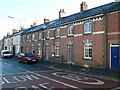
(16, 76)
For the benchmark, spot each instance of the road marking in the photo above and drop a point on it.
(118, 88)
(55, 80)
(22, 69)
(8, 64)
(78, 78)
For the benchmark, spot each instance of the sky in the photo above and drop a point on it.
(26, 12)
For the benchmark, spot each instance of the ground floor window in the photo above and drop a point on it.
(27, 49)
(88, 49)
(57, 50)
(39, 49)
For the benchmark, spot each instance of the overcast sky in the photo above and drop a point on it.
(30, 11)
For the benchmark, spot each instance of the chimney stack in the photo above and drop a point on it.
(15, 30)
(46, 20)
(8, 33)
(117, 0)
(61, 13)
(34, 24)
(84, 6)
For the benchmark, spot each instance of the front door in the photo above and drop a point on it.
(47, 52)
(70, 54)
(115, 62)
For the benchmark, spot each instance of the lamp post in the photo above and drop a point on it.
(20, 43)
(16, 19)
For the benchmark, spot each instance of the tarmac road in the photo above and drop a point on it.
(15, 76)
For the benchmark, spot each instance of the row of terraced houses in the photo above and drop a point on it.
(91, 36)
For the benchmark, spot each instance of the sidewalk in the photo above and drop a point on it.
(102, 73)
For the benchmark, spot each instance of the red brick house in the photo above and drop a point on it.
(89, 37)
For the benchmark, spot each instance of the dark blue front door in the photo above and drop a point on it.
(115, 57)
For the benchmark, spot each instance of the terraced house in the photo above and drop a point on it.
(91, 37)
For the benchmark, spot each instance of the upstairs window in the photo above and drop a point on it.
(47, 34)
(70, 30)
(57, 33)
(27, 38)
(40, 36)
(33, 37)
(88, 27)
(88, 49)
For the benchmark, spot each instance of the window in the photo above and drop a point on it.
(57, 33)
(87, 49)
(39, 49)
(88, 27)
(33, 37)
(27, 38)
(70, 30)
(40, 35)
(57, 49)
(27, 49)
(47, 34)
(32, 48)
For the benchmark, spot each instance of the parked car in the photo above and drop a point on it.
(27, 58)
(6, 53)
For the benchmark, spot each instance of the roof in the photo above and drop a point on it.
(114, 6)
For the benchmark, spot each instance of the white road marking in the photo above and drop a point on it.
(22, 69)
(118, 88)
(55, 80)
(8, 64)
(78, 78)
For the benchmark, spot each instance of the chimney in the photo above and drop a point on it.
(117, 0)
(34, 24)
(61, 13)
(8, 33)
(46, 20)
(15, 30)
(84, 6)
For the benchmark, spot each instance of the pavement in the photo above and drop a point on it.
(110, 74)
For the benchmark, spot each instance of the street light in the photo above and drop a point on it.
(20, 44)
(16, 19)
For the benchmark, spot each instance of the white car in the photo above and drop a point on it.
(6, 53)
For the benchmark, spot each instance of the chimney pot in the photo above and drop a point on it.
(15, 30)
(117, 0)
(46, 20)
(84, 6)
(61, 13)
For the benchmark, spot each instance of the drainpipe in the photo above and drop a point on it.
(105, 46)
(105, 37)
(43, 46)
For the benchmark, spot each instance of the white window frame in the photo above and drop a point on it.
(70, 30)
(33, 37)
(27, 38)
(40, 35)
(27, 49)
(57, 50)
(87, 50)
(39, 49)
(48, 34)
(57, 33)
(88, 27)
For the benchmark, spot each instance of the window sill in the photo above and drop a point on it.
(84, 58)
(70, 35)
(57, 56)
(57, 37)
(87, 33)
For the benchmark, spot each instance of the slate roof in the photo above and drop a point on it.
(114, 6)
